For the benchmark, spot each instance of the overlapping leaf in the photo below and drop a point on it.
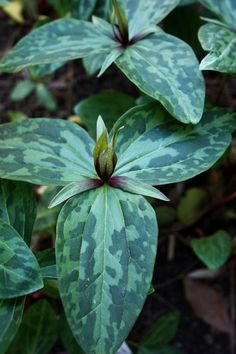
(57, 152)
(220, 41)
(38, 331)
(18, 207)
(105, 268)
(10, 318)
(224, 9)
(19, 270)
(143, 14)
(83, 9)
(64, 39)
(171, 152)
(165, 68)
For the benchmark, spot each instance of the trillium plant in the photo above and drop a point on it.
(160, 65)
(218, 37)
(106, 231)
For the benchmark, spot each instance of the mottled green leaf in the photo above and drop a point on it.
(165, 68)
(136, 187)
(58, 152)
(38, 331)
(172, 152)
(47, 263)
(105, 268)
(191, 204)
(22, 90)
(83, 9)
(73, 189)
(110, 105)
(221, 43)
(145, 13)
(18, 207)
(64, 39)
(19, 270)
(224, 9)
(46, 218)
(45, 97)
(10, 317)
(213, 250)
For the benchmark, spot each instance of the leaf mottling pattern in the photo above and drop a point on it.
(165, 68)
(172, 152)
(221, 43)
(105, 262)
(142, 14)
(19, 269)
(62, 40)
(45, 151)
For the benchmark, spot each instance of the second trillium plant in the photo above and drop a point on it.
(160, 65)
(106, 231)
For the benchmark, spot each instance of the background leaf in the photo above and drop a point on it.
(166, 68)
(212, 310)
(18, 207)
(57, 152)
(161, 333)
(10, 317)
(46, 218)
(213, 250)
(105, 269)
(172, 152)
(22, 90)
(38, 331)
(221, 43)
(110, 105)
(83, 9)
(191, 204)
(225, 10)
(19, 270)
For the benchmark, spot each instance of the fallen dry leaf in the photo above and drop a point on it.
(207, 304)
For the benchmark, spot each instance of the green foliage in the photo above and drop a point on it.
(38, 331)
(10, 318)
(219, 37)
(161, 334)
(213, 250)
(162, 66)
(46, 218)
(104, 269)
(93, 106)
(191, 205)
(106, 232)
(22, 90)
(19, 270)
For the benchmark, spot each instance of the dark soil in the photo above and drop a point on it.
(70, 85)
